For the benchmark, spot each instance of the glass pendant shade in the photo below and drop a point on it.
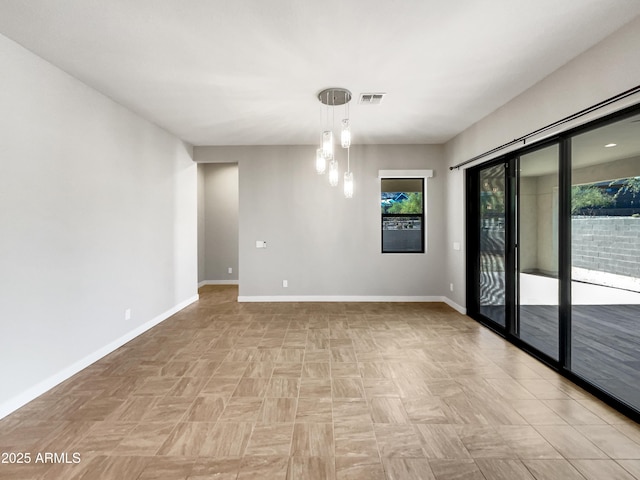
(327, 143)
(321, 162)
(345, 136)
(333, 173)
(348, 184)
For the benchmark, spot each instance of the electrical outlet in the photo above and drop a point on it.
(451, 287)
(285, 284)
(229, 270)
(127, 314)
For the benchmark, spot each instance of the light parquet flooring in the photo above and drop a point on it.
(341, 391)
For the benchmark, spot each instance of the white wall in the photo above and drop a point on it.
(323, 244)
(97, 214)
(609, 68)
(220, 222)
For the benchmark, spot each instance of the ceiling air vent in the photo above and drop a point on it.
(371, 98)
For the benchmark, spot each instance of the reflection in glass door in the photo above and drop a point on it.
(538, 311)
(492, 298)
(605, 258)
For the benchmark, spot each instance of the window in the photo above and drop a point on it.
(402, 209)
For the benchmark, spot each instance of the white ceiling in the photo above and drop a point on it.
(246, 72)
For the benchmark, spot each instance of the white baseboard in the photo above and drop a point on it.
(350, 298)
(338, 298)
(32, 393)
(454, 305)
(218, 282)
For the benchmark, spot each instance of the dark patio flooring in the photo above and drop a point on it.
(605, 343)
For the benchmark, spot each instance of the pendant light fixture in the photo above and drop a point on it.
(348, 179)
(332, 97)
(334, 173)
(345, 135)
(327, 144)
(321, 162)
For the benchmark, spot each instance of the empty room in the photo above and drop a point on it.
(320, 240)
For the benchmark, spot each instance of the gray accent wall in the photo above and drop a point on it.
(201, 225)
(219, 213)
(610, 67)
(539, 225)
(320, 242)
(97, 215)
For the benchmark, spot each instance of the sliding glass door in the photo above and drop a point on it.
(605, 258)
(492, 244)
(553, 257)
(516, 206)
(537, 249)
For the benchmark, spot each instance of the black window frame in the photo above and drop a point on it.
(384, 216)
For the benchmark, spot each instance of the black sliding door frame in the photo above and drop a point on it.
(511, 246)
(473, 229)
(512, 242)
(564, 254)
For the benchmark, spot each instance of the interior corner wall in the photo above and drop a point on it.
(610, 67)
(320, 242)
(98, 215)
(220, 222)
(201, 225)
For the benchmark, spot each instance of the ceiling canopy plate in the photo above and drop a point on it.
(334, 96)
